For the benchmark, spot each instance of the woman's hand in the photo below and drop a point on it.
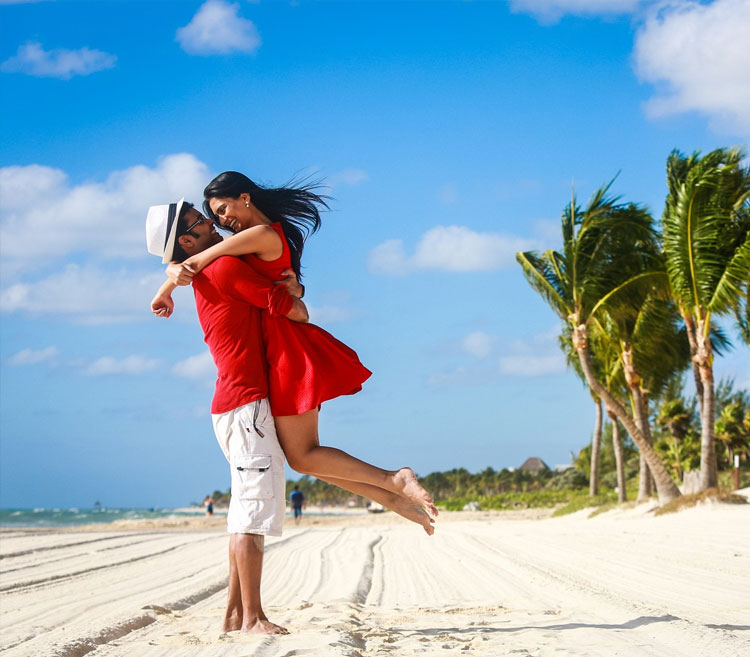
(180, 273)
(197, 262)
(162, 305)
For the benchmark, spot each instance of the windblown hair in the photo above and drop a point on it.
(296, 208)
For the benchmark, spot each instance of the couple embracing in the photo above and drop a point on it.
(274, 368)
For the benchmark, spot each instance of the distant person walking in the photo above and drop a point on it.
(297, 500)
(208, 502)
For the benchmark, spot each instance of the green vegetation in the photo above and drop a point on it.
(505, 489)
(638, 304)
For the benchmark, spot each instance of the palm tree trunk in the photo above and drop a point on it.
(665, 487)
(596, 443)
(645, 483)
(709, 474)
(622, 494)
(693, 341)
(678, 461)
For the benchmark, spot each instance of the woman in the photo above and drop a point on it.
(307, 365)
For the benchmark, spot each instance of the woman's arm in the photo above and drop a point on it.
(259, 240)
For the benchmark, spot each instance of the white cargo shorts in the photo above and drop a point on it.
(247, 436)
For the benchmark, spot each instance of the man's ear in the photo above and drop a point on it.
(186, 241)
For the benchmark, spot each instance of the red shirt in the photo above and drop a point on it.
(228, 296)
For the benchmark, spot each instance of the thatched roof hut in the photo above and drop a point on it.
(534, 464)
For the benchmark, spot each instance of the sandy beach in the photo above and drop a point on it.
(518, 583)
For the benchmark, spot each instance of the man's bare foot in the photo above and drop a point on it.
(232, 623)
(264, 626)
(415, 513)
(406, 484)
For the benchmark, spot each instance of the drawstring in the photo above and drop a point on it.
(255, 419)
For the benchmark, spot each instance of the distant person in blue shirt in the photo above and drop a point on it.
(297, 500)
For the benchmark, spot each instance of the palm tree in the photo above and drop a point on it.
(706, 241)
(733, 428)
(590, 276)
(606, 354)
(742, 313)
(654, 350)
(566, 344)
(675, 418)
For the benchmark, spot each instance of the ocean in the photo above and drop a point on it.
(10, 518)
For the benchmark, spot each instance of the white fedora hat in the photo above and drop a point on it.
(161, 229)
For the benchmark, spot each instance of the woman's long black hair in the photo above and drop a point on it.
(296, 208)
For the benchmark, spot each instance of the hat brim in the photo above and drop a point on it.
(172, 233)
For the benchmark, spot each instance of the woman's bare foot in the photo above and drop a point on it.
(413, 512)
(264, 626)
(406, 484)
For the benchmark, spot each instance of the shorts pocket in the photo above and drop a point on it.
(254, 477)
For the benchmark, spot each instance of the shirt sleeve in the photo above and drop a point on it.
(238, 280)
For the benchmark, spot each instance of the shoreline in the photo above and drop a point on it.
(491, 583)
(326, 518)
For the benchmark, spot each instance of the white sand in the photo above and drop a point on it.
(623, 583)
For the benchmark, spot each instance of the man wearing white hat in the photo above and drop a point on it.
(229, 296)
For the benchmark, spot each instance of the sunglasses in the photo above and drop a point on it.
(200, 220)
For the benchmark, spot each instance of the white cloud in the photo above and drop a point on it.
(88, 295)
(550, 11)
(127, 365)
(32, 59)
(698, 56)
(388, 258)
(478, 343)
(218, 29)
(449, 248)
(201, 366)
(532, 365)
(348, 177)
(328, 314)
(538, 355)
(43, 216)
(33, 356)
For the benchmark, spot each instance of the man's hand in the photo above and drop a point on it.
(298, 313)
(294, 288)
(162, 305)
(180, 273)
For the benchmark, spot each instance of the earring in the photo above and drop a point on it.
(247, 204)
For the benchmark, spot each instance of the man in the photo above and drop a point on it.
(228, 298)
(297, 500)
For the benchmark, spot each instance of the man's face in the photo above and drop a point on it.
(201, 235)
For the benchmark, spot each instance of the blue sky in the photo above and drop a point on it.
(449, 133)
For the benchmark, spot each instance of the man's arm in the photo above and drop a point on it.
(240, 281)
(162, 304)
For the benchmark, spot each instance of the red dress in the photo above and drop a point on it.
(306, 365)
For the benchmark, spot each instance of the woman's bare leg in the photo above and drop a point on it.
(298, 435)
(392, 501)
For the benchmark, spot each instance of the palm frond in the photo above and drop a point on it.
(733, 280)
(542, 276)
(703, 226)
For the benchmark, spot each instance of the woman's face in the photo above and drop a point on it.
(232, 213)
